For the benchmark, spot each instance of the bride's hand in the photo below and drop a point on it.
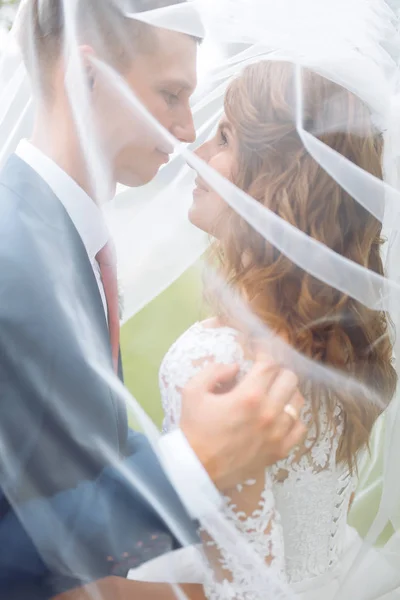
(236, 433)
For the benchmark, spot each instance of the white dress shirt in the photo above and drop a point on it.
(181, 464)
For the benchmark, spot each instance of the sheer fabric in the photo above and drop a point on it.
(292, 517)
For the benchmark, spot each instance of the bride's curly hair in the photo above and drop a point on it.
(274, 168)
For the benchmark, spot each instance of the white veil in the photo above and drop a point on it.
(353, 43)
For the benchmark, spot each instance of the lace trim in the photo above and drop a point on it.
(301, 512)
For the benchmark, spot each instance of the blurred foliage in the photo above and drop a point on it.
(6, 3)
(7, 12)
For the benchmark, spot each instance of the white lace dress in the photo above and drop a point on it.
(294, 515)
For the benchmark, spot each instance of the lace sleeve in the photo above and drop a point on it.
(250, 507)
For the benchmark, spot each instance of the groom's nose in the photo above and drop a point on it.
(184, 130)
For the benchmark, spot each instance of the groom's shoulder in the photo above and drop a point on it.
(14, 187)
(27, 206)
(22, 189)
(17, 185)
(11, 178)
(20, 221)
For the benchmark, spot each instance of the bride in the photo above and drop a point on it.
(295, 513)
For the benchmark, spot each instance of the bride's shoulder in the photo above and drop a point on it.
(203, 343)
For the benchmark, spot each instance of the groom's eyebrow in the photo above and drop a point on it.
(182, 84)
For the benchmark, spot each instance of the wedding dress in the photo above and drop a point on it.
(295, 514)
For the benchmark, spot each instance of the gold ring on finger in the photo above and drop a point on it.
(291, 411)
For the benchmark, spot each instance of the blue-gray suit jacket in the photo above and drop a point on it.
(67, 514)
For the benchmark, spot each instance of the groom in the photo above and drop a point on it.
(82, 496)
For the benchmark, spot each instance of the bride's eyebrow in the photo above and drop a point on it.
(224, 125)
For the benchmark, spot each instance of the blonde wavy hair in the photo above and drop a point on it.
(274, 168)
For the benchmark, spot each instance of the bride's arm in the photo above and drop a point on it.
(250, 509)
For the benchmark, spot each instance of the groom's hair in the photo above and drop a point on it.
(102, 24)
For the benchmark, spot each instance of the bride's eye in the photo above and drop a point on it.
(223, 138)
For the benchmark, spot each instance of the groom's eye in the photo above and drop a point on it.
(170, 98)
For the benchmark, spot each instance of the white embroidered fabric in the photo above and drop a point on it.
(295, 513)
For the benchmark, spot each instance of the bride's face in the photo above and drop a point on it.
(221, 154)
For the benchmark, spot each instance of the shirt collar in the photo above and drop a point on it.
(83, 211)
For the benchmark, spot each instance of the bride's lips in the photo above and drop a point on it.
(200, 188)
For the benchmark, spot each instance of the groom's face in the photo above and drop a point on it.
(163, 78)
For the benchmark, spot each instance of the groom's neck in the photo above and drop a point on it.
(55, 135)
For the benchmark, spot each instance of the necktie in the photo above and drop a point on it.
(107, 261)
